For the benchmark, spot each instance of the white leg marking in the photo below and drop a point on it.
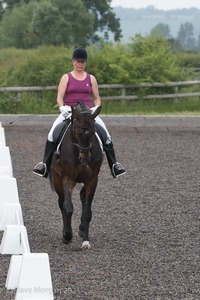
(86, 245)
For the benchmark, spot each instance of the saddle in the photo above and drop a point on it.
(61, 129)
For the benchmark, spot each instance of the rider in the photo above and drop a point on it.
(75, 86)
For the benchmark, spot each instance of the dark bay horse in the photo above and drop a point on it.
(79, 161)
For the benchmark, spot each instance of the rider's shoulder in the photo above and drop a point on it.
(93, 79)
(65, 77)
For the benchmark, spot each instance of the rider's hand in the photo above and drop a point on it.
(65, 110)
(94, 108)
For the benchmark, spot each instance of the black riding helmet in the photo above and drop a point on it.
(80, 54)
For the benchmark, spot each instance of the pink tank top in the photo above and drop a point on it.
(78, 90)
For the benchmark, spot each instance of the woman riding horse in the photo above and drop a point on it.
(73, 87)
(77, 160)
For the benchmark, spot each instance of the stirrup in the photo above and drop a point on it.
(40, 169)
(121, 170)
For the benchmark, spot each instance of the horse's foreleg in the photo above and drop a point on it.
(82, 197)
(86, 195)
(65, 205)
(67, 213)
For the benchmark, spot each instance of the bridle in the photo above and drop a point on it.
(82, 130)
(83, 149)
(83, 127)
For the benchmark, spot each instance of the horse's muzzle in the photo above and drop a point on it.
(84, 157)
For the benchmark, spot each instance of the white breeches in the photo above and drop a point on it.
(60, 119)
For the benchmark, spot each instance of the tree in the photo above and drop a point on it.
(162, 29)
(105, 19)
(198, 43)
(59, 23)
(9, 4)
(152, 59)
(175, 44)
(75, 14)
(14, 27)
(186, 36)
(46, 22)
(1, 10)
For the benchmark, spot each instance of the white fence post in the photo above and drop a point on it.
(11, 215)
(31, 275)
(15, 240)
(2, 137)
(5, 162)
(8, 192)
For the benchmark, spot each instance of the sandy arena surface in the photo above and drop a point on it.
(145, 228)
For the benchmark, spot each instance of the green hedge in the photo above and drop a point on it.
(110, 63)
(189, 60)
(147, 59)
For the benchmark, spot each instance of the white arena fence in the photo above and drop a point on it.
(28, 273)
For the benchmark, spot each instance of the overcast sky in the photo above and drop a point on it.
(160, 4)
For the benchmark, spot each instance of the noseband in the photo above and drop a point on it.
(83, 149)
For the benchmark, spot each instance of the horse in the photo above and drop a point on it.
(79, 161)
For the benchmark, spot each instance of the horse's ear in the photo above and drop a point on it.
(97, 111)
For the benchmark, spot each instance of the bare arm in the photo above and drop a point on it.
(62, 89)
(95, 91)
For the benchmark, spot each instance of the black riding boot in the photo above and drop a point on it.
(116, 168)
(42, 168)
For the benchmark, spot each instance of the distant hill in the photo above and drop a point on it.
(141, 21)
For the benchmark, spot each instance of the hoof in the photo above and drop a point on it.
(67, 238)
(65, 241)
(86, 245)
